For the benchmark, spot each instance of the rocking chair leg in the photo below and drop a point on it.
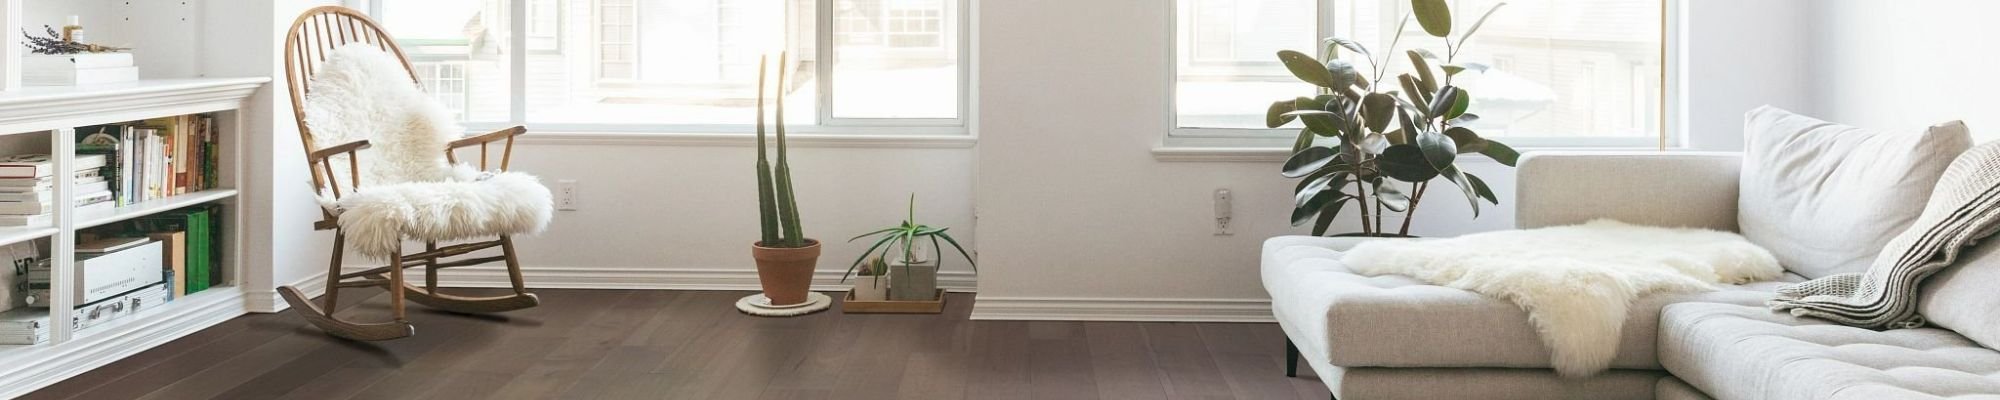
(513, 264)
(396, 281)
(431, 270)
(332, 296)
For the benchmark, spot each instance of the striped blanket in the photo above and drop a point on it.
(1963, 208)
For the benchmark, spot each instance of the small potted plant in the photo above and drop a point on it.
(785, 257)
(871, 282)
(912, 276)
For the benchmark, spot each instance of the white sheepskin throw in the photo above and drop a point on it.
(1576, 282)
(407, 189)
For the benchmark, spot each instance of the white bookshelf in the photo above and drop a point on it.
(194, 57)
(54, 112)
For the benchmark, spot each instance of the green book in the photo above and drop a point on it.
(199, 268)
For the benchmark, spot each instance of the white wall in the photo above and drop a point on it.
(1076, 217)
(1737, 55)
(1906, 64)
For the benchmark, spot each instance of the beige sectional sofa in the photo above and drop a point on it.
(1392, 337)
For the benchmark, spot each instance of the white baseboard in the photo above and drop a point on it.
(650, 278)
(29, 368)
(271, 302)
(1147, 310)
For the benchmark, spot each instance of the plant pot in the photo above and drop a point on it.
(913, 282)
(871, 288)
(786, 273)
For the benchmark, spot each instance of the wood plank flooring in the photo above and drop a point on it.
(636, 344)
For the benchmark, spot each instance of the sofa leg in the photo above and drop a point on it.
(1291, 359)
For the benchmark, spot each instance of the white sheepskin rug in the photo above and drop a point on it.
(1576, 282)
(408, 191)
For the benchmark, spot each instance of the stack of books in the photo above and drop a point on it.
(155, 158)
(27, 187)
(77, 69)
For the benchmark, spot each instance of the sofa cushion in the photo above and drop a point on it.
(1396, 321)
(1749, 352)
(1963, 297)
(1825, 197)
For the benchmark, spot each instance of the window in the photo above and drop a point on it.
(445, 81)
(1562, 72)
(867, 66)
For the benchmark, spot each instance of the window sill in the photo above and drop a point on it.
(806, 140)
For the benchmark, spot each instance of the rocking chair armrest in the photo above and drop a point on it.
(506, 136)
(488, 137)
(338, 149)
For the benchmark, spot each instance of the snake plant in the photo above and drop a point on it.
(777, 210)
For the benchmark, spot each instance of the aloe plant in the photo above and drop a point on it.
(904, 237)
(777, 210)
(1367, 133)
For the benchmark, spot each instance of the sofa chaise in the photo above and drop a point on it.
(1393, 337)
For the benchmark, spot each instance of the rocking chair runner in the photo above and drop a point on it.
(313, 36)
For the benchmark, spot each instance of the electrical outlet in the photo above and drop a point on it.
(566, 195)
(1224, 210)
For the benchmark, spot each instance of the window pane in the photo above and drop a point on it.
(895, 59)
(1227, 58)
(460, 49)
(681, 62)
(1564, 68)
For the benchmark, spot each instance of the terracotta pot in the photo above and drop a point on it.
(786, 273)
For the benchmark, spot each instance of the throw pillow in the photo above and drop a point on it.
(1825, 197)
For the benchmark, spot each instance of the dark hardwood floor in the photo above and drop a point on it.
(629, 344)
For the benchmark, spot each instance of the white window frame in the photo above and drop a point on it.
(960, 31)
(1242, 144)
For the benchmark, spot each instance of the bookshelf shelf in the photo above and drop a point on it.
(17, 234)
(88, 219)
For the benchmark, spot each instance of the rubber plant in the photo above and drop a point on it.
(785, 257)
(904, 237)
(1380, 144)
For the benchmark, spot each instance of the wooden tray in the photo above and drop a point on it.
(852, 306)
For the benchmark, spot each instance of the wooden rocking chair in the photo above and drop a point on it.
(312, 36)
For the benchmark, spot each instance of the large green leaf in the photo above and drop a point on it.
(1500, 152)
(1438, 149)
(1307, 69)
(1326, 215)
(1434, 15)
(1445, 100)
(1275, 117)
(1463, 119)
(1480, 22)
(1471, 195)
(1353, 46)
(1323, 123)
(1305, 211)
(1425, 79)
(1374, 143)
(1390, 197)
(1329, 179)
(1412, 91)
(1307, 161)
(1304, 140)
(1406, 162)
(1459, 105)
(1479, 186)
(1467, 140)
(1378, 110)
